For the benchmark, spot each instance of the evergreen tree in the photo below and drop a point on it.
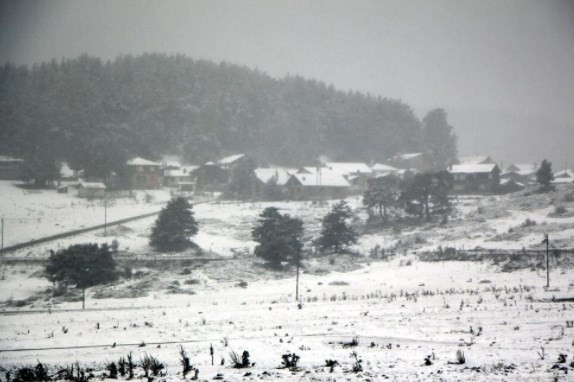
(336, 231)
(545, 175)
(424, 190)
(174, 226)
(382, 193)
(439, 140)
(279, 237)
(81, 266)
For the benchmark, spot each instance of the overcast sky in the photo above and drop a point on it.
(513, 56)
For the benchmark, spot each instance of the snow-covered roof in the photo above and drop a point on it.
(383, 167)
(171, 164)
(472, 168)
(231, 159)
(476, 159)
(190, 168)
(523, 169)
(266, 174)
(92, 185)
(176, 173)
(564, 174)
(141, 162)
(5, 158)
(347, 168)
(324, 179)
(66, 171)
(510, 181)
(406, 156)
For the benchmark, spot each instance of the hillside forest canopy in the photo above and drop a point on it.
(95, 115)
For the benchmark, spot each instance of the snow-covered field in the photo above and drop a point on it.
(401, 310)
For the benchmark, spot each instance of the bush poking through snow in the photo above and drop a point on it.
(112, 369)
(460, 358)
(290, 360)
(239, 362)
(185, 361)
(331, 363)
(151, 364)
(353, 343)
(357, 363)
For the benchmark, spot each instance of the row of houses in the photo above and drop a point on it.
(475, 174)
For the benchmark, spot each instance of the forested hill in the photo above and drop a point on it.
(95, 114)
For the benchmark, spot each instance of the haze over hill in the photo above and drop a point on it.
(511, 61)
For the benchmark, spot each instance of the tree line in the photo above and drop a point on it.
(421, 195)
(96, 114)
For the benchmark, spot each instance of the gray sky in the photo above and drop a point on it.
(511, 56)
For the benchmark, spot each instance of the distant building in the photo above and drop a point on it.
(356, 173)
(91, 190)
(10, 168)
(415, 162)
(143, 174)
(211, 177)
(272, 176)
(232, 161)
(320, 185)
(380, 169)
(179, 179)
(475, 159)
(480, 178)
(521, 173)
(564, 177)
(509, 185)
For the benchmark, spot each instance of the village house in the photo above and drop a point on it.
(479, 178)
(414, 162)
(10, 168)
(356, 173)
(143, 174)
(179, 179)
(272, 176)
(521, 173)
(380, 169)
(475, 159)
(211, 177)
(564, 177)
(91, 190)
(321, 184)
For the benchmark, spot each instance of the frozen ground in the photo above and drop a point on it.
(400, 313)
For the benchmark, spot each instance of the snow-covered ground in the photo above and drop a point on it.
(401, 310)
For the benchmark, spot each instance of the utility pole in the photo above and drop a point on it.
(547, 241)
(297, 281)
(2, 247)
(105, 216)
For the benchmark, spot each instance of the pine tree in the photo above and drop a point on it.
(279, 237)
(545, 175)
(383, 193)
(336, 232)
(174, 226)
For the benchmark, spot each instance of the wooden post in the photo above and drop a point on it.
(2, 247)
(83, 298)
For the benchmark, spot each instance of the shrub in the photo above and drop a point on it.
(529, 223)
(185, 361)
(559, 210)
(290, 360)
